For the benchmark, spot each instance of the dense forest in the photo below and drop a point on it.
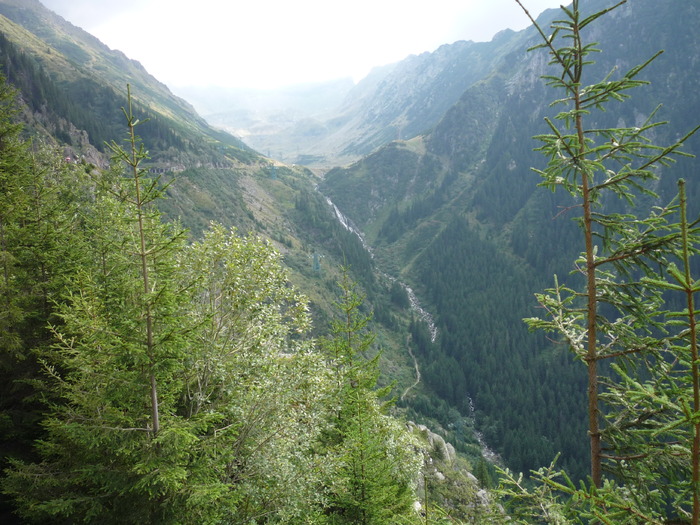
(153, 374)
(458, 214)
(148, 377)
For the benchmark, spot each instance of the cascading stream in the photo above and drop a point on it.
(413, 300)
(423, 314)
(348, 225)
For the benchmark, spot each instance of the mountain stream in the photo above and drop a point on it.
(423, 314)
(413, 300)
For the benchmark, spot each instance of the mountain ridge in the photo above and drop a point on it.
(75, 104)
(462, 221)
(394, 101)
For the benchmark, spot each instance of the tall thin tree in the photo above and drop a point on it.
(588, 162)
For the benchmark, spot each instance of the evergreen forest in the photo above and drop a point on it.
(457, 212)
(148, 377)
(193, 333)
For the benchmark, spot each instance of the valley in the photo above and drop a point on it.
(419, 189)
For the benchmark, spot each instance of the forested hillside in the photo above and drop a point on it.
(158, 364)
(457, 214)
(146, 378)
(131, 322)
(72, 88)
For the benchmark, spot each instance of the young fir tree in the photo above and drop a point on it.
(374, 462)
(14, 203)
(617, 318)
(40, 247)
(673, 402)
(111, 370)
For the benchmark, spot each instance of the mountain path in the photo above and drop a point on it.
(415, 364)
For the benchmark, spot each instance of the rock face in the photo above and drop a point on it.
(403, 100)
(448, 482)
(442, 450)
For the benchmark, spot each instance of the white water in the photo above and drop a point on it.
(348, 225)
(424, 315)
(413, 300)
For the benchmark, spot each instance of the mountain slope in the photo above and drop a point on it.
(71, 56)
(457, 213)
(397, 101)
(73, 87)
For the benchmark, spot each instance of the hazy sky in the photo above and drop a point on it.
(270, 43)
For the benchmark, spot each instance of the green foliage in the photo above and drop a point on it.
(40, 248)
(112, 365)
(555, 499)
(249, 370)
(374, 465)
(481, 319)
(643, 438)
(152, 416)
(178, 382)
(15, 204)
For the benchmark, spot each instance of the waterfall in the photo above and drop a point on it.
(422, 314)
(348, 225)
(413, 300)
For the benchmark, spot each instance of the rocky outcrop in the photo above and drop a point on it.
(447, 483)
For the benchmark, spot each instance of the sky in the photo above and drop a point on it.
(273, 43)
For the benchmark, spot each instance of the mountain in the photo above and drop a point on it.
(85, 77)
(264, 118)
(443, 196)
(457, 214)
(396, 101)
(73, 88)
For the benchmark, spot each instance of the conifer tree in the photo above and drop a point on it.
(14, 168)
(39, 196)
(675, 393)
(113, 362)
(618, 317)
(182, 388)
(40, 247)
(374, 462)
